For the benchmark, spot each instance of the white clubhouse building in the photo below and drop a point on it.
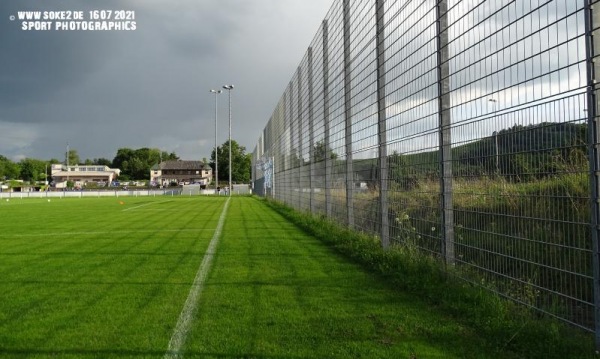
(81, 175)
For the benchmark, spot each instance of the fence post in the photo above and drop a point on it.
(327, 139)
(287, 148)
(382, 126)
(292, 153)
(311, 129)
(592, 18)
(445, 126)
(282, 149)
(348, 116)
(300, 156)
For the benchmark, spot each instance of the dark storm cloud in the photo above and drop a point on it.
(100, 91)
(35, 64)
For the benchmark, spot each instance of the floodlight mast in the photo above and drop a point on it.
(494, 102)
(229, 88)
(216, 92)
(67, 161)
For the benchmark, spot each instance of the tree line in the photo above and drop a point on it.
(135, 164)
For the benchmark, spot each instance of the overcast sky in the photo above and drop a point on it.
(100, 91)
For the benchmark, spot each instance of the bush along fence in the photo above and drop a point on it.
(466, 130)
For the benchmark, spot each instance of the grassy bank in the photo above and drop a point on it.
(508, 329)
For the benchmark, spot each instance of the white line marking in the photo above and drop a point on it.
(142, 205)
(191, 304)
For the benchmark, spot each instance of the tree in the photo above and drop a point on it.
(8, 169)
(136, 164)
(102, 162)
(296, 159)
(73, 158)
(242, 171)
(242, 162)
(400, 171)
(320, 150)
(122, 157)
(33, 170)
(98, 161)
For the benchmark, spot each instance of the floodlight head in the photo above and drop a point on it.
(228, 87)
(216, 91)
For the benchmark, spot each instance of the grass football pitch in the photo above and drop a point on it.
(111, 277)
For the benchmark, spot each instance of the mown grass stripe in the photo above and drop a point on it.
(143, 205)
(185, 318)
(96, 233)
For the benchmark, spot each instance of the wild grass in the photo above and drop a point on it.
(508, 329)
(529, 241)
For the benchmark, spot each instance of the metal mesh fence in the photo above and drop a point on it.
(465, 129)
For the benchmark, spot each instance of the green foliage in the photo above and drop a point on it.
(73, 158)
(321, 150)
(8, 169)
(102, 162)
(242, 168)
(136, 164)
(525, 152)
(295, 159)
(401, 172)
(98, 161)
(14, 183)
(33, 170)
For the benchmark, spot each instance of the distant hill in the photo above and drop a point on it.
(519, 153)
(534, 150)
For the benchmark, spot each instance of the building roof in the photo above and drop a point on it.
(83, 174)
(59, 170)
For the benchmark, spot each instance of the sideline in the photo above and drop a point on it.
(185, 318)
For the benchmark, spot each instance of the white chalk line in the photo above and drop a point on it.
(143, 205)
(191, 304)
